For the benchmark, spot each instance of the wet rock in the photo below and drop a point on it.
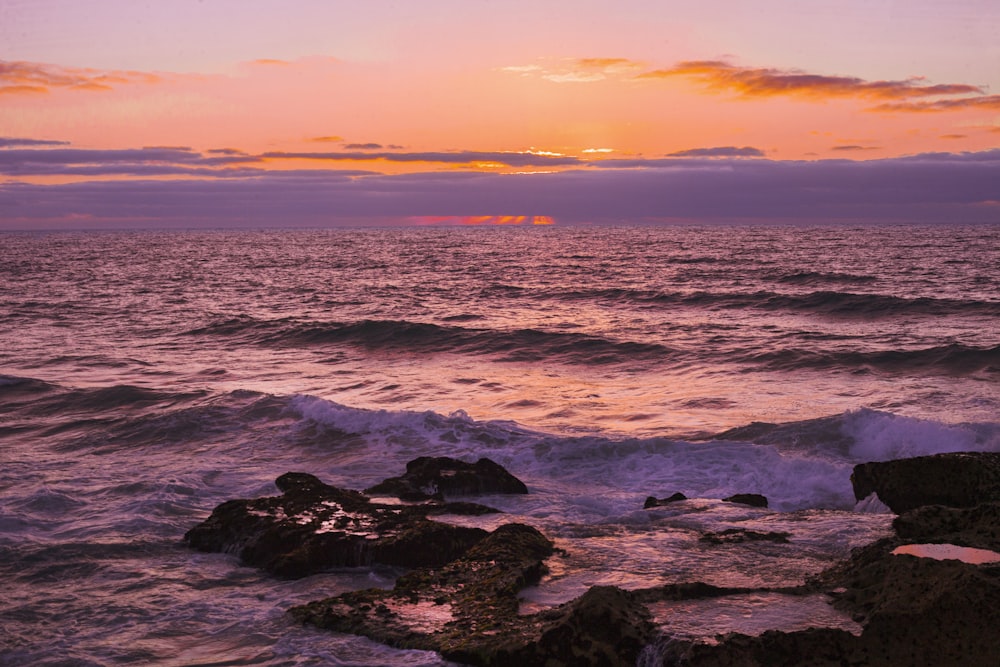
(815, 647)
(751, 499)
(739, 535)
(468, 611)
(914, 611)
(653, 501)
(604, 626)
(313, 526)
(920, 611)
(977, 527)
(435, 477)
(963, 479)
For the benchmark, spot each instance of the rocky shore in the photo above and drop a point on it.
(460, 595)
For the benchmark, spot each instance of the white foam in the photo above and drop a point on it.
(600, 476)
(881, 436)
(872, 504)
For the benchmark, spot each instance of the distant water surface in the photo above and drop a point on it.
(149, 376)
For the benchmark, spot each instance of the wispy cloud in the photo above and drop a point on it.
(721, 76)
(988, 102)
(577, 70)
(331, 139)
(150, 161)
(11, 142)
(525, 159)
(19, 77)
(852, 148)
(364, 147)
(720, 151)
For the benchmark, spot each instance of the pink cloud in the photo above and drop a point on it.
(720, 76)
(20, 77)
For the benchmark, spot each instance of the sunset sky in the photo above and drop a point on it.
(116, 113)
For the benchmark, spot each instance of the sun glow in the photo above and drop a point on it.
(484, 220)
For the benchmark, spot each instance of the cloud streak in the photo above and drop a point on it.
(905, 96)
(20, 77)
(720, 76)
(153, 161)
(526, 159)
(720, 151)
(987, 102)
(11, 142)
(578, 70)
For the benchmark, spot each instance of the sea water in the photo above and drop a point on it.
(148, 376)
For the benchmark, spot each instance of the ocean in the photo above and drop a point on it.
(147, 376)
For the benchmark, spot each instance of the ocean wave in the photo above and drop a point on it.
(109, 399)
(823, 278)
(797, 465)
(869, 435)
(954, 359)
(421, 337)
(11, 385)
(830, 303)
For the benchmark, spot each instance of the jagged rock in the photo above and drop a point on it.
(468, 611)
(313, 526)
(435, 477)
(751, 499)
(914, 611)
(815, 647)
(977, 527)
(963, 479)
(653, 501)
(604, 626)
(738, 535)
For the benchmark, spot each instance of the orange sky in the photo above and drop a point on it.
(561, 106)
(466, 86)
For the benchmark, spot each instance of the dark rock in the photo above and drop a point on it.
(468, 611)
(920, 610)
(914, 611)
(604, 626)
(977, 527)
(313, 526)
(652, 501)
(815, 647)
(963, 479)
(751, 499)
(435, 477)
(738, 535)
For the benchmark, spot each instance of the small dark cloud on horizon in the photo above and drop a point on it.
(150, 160)
(363, 147)
(457, 157)
(8, 142)
(854, 147)
(226, 151)
(719, 151)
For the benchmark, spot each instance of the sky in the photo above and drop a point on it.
(192, 113)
